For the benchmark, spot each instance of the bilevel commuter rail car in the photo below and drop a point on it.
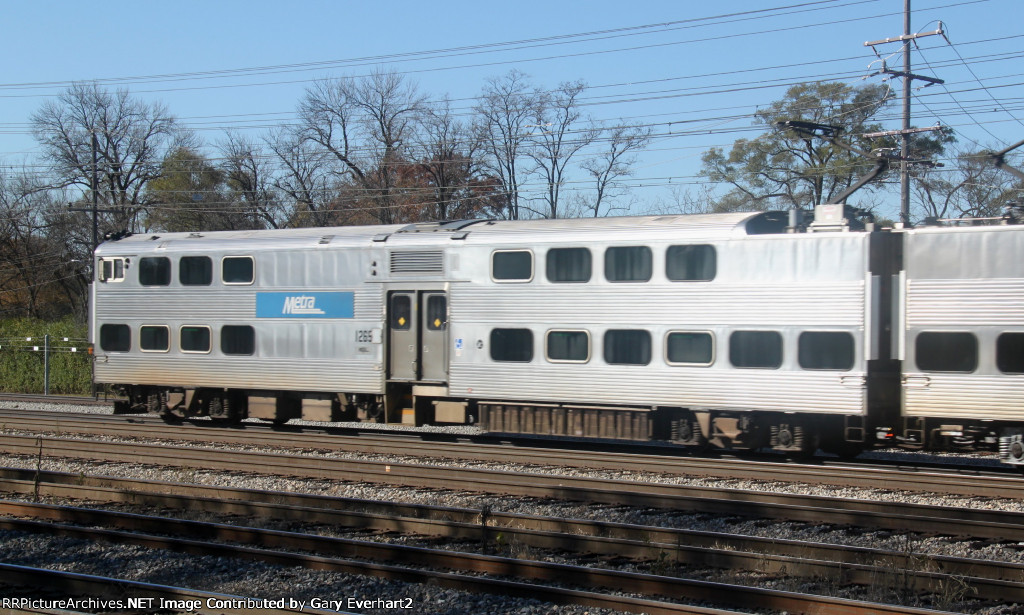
(739, 330)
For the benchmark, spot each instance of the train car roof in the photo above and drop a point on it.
(683, 227)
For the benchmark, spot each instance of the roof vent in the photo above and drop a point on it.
(419, 262)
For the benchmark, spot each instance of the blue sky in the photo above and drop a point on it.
(698, 78)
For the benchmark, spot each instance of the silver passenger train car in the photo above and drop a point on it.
(728, 330)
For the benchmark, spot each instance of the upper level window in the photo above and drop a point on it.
(155, 271)
(512, 266)
(692, 347)
(237, 270)
(515, 345)
(943, 351)
(825, 350)
(568, 346)
(697, 262)
(627, 264)
(115, 338)
(111, 269)
(756, 349)
(237, 339)
(568, 265)
(195, 270)
(627, 347)
(1010, 353)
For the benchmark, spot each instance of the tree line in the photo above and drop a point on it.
(377, 150)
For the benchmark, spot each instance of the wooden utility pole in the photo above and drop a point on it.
(908, 79)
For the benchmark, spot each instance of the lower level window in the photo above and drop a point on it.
(568, 346)
(195, 339)
(1010, 353)
(825, 350)
(115, 338)
(514, 345)
(627, 347)
(944, 351)
(756, 349)
(689, 347)
(237, 339)
(154, 338)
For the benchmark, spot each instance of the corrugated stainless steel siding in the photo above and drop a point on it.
(336, 375)
(965, 302)
(683, 304)
(965, 396)
(660, 385)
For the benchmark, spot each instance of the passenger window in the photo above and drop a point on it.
(195, 271)
(195, 339)
(111, 269)
(1010, 353)
(512, 345)
(155, 271)
(568, 346)
(237, 339)
(831, 350)
(627, 347)
(941, 351)
(627, 264)
(437, 313)
(401, 312)
(568, 265)
(237, 270)
(154, 338)
(684, 347)
(691, 263)
(756, 349)
(512, 266)
(115, 338)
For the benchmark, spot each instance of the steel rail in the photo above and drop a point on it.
(855, 565)
(978, 523)
(265, 545)
(893, 478)
(107, 588)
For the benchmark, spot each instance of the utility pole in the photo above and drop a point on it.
(95, 195)
(908, 79)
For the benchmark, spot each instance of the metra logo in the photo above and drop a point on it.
(302, 304)
(305, 304)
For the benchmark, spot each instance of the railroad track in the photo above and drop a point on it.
(844, 564)
(421, 564)
(979, 523)
(900, 477)
(94, 593)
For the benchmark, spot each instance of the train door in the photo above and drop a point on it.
(418, 326)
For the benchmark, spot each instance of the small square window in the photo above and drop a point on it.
(237, 270)
(154, 338)
(568, 265)
(512, 266)
(195, 339)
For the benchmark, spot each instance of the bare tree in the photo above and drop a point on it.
(450, 165)
(250, 180)
(559, 133)
(130, 139)
(306, 179)
(505, 110)
(44, 271)
(365, 125)
(614, 163)
(972, 187)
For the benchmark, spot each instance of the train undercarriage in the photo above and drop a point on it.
(698, 429)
